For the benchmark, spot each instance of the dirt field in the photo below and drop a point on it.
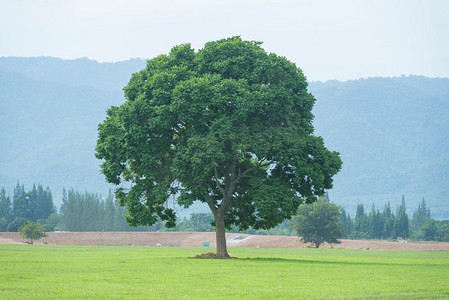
(196, 239)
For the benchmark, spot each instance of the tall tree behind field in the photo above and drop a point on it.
(5, 205)
(81, 212)
(347, 223)
(109, 213)
(401, 222)
(120, 223)
(32, 203)
(36, 204)
(420, 216)
(388, 221)
(375, 225)
(92, 218)
(88, 212)
(71, 211)
(360, 228)
(45, 206)
(21, 208)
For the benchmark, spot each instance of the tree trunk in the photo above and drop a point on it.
(220, 236)
(317, 244)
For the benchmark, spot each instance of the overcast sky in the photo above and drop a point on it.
(344, 39)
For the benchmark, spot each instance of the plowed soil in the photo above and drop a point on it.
(197, 239)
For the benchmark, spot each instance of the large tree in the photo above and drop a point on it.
(229, 125)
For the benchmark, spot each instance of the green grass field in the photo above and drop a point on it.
(47, 271)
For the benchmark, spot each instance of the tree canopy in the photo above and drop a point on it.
(32, 231)
(229, 125)
(319, 222)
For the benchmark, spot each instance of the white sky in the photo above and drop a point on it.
(328, 39)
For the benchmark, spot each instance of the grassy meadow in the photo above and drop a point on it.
(49, 271)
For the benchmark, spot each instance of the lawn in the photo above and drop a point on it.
(48, 271)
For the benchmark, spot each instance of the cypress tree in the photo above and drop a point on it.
(109, 213)
(420, 216)
(387, 221)
(20, 202)
(347, 223)
(33, 205)
(401, 222)
(375, 225)
(360, 228)
(5, 205)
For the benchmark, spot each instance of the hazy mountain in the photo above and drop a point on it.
(392, 133)
(393, 136)
(49, 113)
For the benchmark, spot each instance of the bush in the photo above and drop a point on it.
(32, 231)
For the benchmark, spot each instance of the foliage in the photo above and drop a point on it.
(5, 205)
(15, 225)
(420, 216)
(32, 231)
(203, 222)
(88, 212)
(33, 205)
(21, 205)
(444, 231)
(98, 272)
(347, 223)
(386, 225)
(81, 211)
(379, 224)
(196, 222)
(3, 224)
(229, 125)
(52, 223)
(429, 230)
(36, 204)
(360, 222)
(319, 222)
(401, 222)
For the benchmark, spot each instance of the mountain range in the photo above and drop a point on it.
(392, 133)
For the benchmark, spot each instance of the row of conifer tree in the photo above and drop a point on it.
(34, 205)
(388, 225)
(79, 211)
(83, 211)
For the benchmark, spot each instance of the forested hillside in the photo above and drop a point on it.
(392, 133)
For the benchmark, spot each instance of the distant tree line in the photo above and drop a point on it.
(83, 211)
(203, 222)
(34, 205)
(80, 211)
(388, 225)
(375, 224)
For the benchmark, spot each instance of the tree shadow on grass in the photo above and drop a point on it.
(324, 262)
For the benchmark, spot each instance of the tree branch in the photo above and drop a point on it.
(260, 165)
(211, 204)
(218, 183)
